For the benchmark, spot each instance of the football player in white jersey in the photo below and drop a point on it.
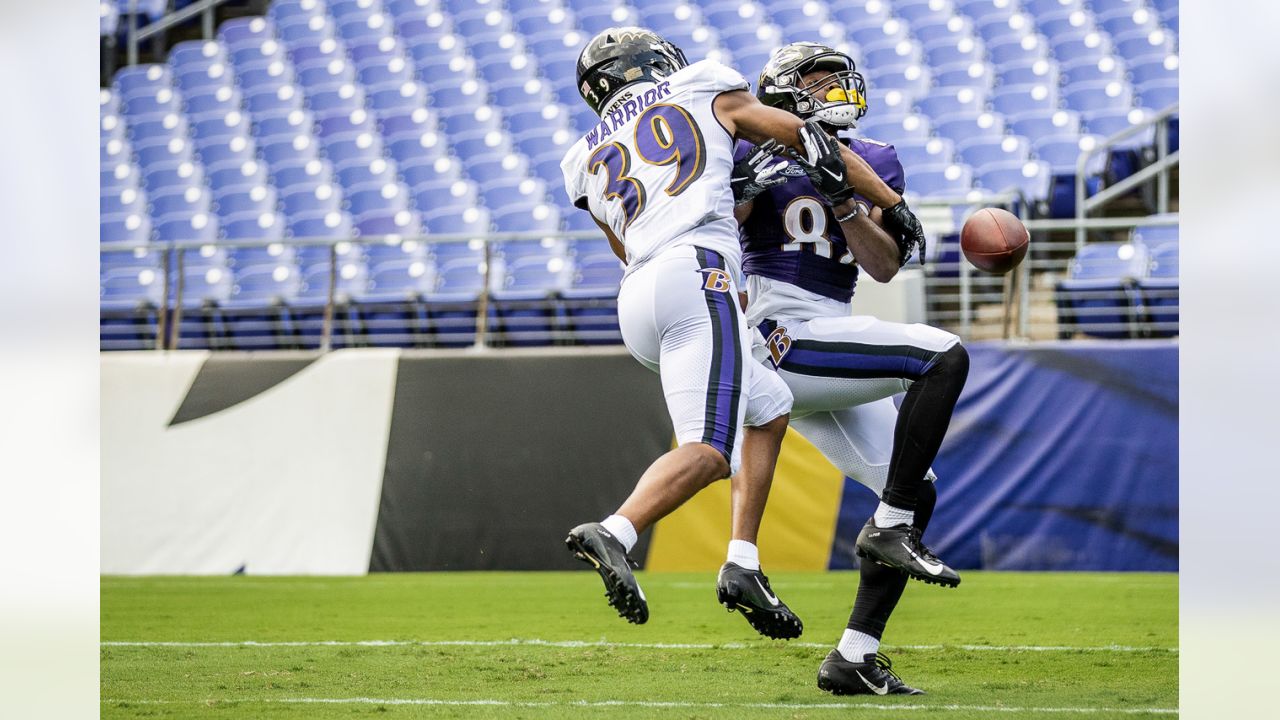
(843, 369)
(655, 175)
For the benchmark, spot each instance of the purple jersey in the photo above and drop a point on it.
(792, 235)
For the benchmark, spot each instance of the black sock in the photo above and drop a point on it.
(879, 587)
(922, 424)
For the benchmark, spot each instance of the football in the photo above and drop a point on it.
(994, 240)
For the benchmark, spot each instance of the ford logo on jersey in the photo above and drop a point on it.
(792, 170)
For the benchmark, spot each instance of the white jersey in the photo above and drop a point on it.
(656, 168)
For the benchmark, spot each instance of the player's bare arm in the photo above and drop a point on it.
(746, 117)
(876, 252)
(614, 243)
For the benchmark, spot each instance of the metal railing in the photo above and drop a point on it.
(1159, 169)
(203, 8)
(1025, 303)
(469, 324)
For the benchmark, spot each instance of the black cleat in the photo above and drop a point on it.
(591, 543)
(900, 547)
(873, 676)
(738, 588)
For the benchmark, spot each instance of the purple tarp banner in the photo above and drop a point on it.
(1061, 456)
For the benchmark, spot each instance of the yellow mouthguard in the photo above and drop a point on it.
(839, 95)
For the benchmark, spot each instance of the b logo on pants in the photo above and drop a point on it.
(778, 343)
(717, 280)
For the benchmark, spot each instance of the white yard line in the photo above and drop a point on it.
(606, 644)
(663, 704)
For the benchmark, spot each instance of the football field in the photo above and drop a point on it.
(545, 645)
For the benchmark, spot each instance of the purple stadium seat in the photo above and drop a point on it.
(163, 128)
(197, 227)
(256, 200)
(187, 201)
(177, 175)
(132, 228)
(386, 222)
(1019, 99)
(968, 126)
(267, 102)
(1030, 178)
(427, 170)
(949, 181)
(361, 174)
(981, 152)
(943, 100)
(1043, 123)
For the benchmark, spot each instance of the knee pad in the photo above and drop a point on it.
(954, 361)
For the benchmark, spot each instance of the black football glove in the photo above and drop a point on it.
(905, 228)
(755, 173)
(822, 163)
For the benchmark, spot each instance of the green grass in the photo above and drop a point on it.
(1080, 614)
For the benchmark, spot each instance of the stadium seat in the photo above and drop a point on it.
(894, 130)
(227, 151)
(270, 77)
(1159, 290)
(380, 222)
(590, 300)
(960, 127)
(1098, 297)
(525, 311)
(185, 201)
(233, 124)
(255, 200)
(954, 180)
(180, 227)
(1152, 69)
(934, 151)
(255, 315)
(425, 148)
(1090, 70)
(1019, 99)
(943, 100)
(122, 202)
(1158, 94)
(1030, 179)
(250, 172)
(172, 152)
(268, 101)
(306, 173)
(982, 151)
(126, 228)
(172, 175)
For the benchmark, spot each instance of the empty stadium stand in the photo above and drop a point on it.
(394, 119)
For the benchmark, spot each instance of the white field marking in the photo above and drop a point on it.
(607, 644)
(661, 704)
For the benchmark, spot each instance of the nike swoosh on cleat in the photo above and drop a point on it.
(880, 690)
(933, 569)
(773, 599)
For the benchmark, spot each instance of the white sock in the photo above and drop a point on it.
(854, 645)
(888, 516)
(744, 554)
(621, 529)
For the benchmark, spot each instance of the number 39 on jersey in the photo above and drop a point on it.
(664, 135)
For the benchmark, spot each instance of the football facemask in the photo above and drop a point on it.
(838, 98)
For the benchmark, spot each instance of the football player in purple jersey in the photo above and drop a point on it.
(806, 234)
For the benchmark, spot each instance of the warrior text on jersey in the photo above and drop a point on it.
(656, 168)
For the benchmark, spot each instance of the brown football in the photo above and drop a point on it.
(994, 240)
